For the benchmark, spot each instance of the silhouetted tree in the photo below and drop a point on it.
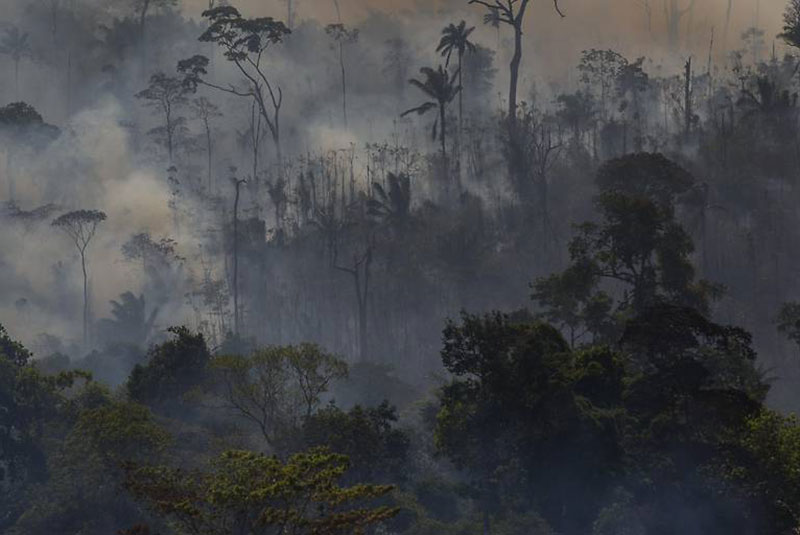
(81, 226)
(166, 94)
(15, 44)
(244, 43)
(342, 36)
(512, 13)
(205, 111)
(456, 39)
(441, 87)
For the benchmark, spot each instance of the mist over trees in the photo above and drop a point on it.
(345, 267)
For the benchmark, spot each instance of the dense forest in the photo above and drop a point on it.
(420, 267)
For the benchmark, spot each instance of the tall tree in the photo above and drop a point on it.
(16, 45)
(456, 39)
(81, 226)
(236, 313)
(342, 36)
(205, 111)
(166, 94)
(511, 12)
(440, 86)
(244, 43)
(791, 24)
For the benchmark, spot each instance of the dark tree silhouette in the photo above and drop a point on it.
(244, 43)
(205, 111)
(456, 39)
(81, 226)
(342, 36)
(511, 12)
(166, 94)
(15, 44)
(440, 86)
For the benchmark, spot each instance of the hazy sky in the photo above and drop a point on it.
(553, 45)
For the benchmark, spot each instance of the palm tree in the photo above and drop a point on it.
(129, 322)
(456, 39)
(392, 205)
(16, 45)
(441, 87)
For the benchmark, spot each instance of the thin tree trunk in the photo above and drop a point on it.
(209, 148)
(85, 301)
(16, 79)
(236, 260)
(344, 82)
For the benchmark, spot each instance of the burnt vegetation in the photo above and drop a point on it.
(271, 269)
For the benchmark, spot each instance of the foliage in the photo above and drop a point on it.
(377, 450)
(789, 321)
(172, 370)
(250, 493)
(275, 388)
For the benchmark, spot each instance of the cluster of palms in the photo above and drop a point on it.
(441, 86)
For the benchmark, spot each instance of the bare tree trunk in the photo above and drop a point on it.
(85, 300)
(344, 82)
(208, 149)
(687, 96)
(16, 78)
(236, 259)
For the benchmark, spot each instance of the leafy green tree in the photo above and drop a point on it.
(277, 388)
(377, 450)
(173, 369)
(80, 226)
(251, 494)
(791, 24)
(86, 467)
(528, 420)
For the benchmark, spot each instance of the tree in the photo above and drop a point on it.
(130, 323)
(81, 226)
(512, 13)
(456, 39)
(392, 205)
(529, 421)
(342, 36)
(440, 86)
(791, 24)
(245, 43)
(789, 321)
(172, 370)
(277, 388)
(205, 111)
(246, 493)
(377, 450)
(16, 45)
(166, 94)
(236, 311)
(23, 129)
